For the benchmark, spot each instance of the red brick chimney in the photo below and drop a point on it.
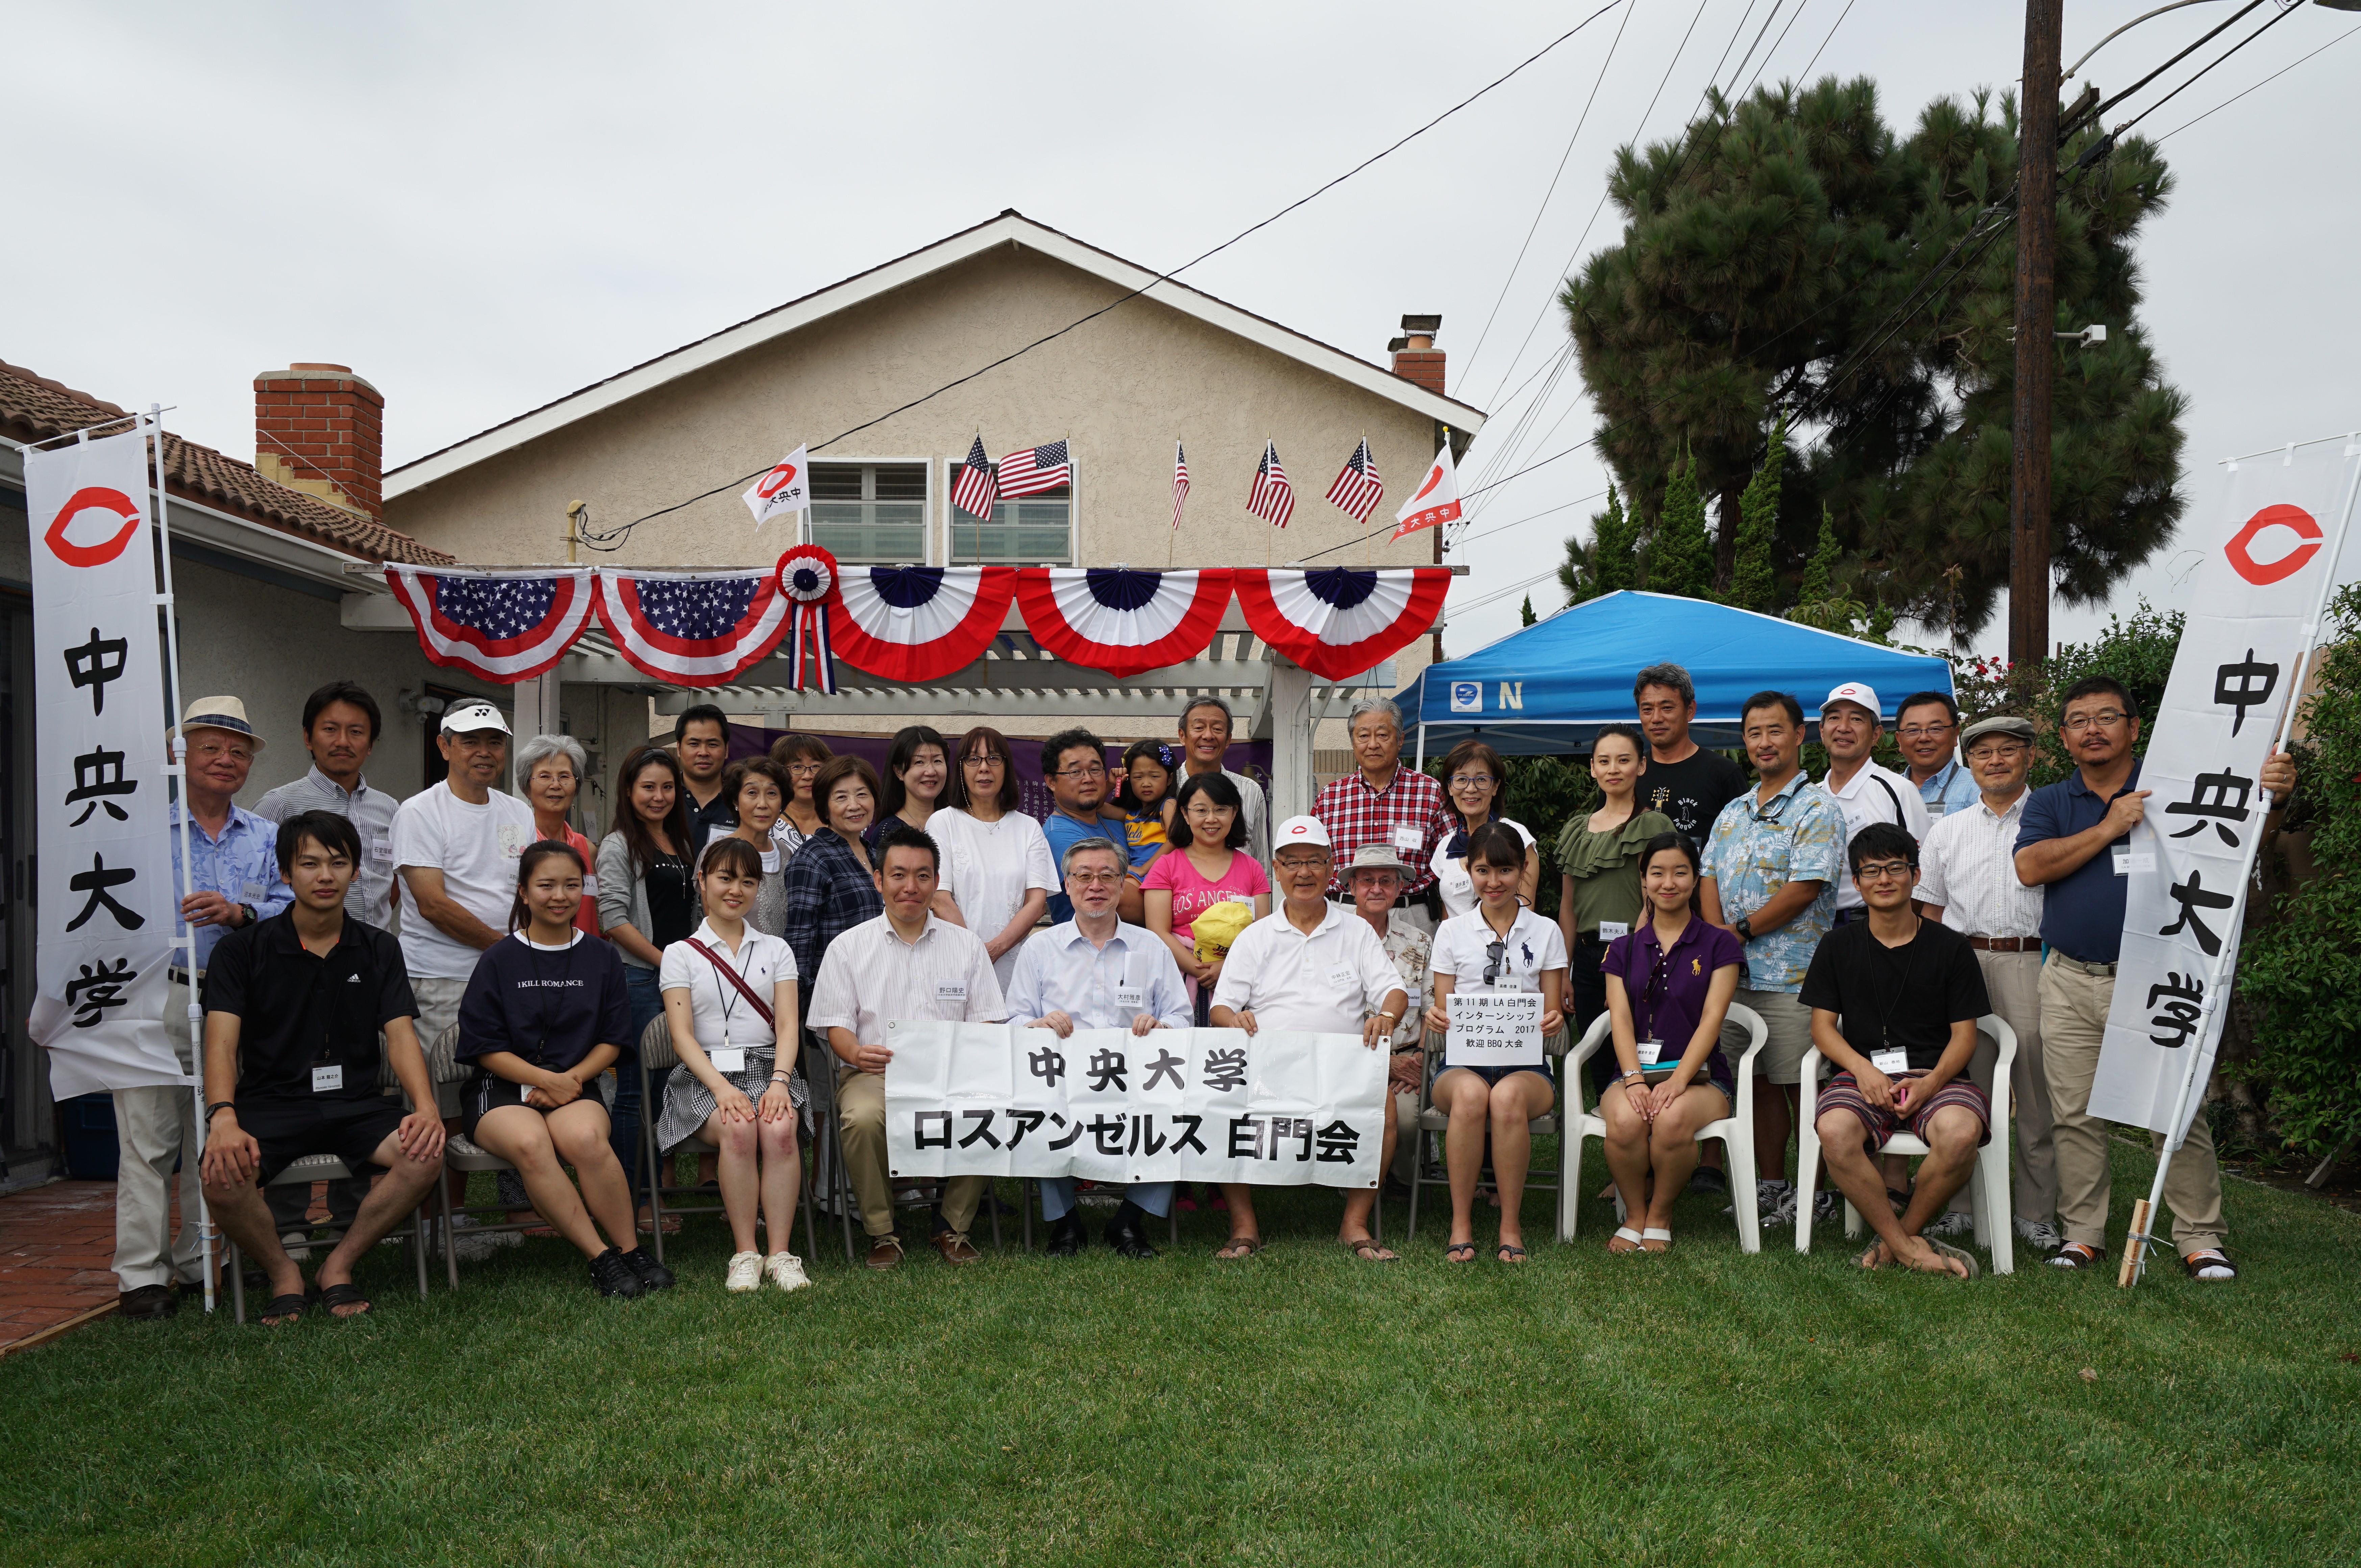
(317, 428)
(1415, 357)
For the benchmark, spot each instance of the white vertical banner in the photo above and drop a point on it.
(104, 887)
(2185, 866)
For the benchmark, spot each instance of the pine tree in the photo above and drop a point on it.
(1821, 601)
(1752, 583)
(1680, 551)
(1525, 611)
(1610, 562)
(1820, 572)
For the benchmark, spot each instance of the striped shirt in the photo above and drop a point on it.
(872, 977)
(1967, 865)
(370, 811)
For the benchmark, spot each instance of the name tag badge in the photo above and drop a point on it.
(1131, 998)
(327, 1079)
(951, 993)
(1651, 1052)
(381, 849)
(2129, 859)
(728, 1060)
(1611, 930)
(1343, 977)
(1407, 838)
(252, 893)
(1890, 1063)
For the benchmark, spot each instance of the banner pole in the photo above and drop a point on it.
(2135, 1243)
(178, 768)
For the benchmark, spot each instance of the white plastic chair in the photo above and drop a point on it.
(1736, 1131)
(1988, 1192)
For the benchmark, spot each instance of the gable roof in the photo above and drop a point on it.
(1010, 227)
(34, 408)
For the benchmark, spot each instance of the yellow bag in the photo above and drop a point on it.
(1219, 927)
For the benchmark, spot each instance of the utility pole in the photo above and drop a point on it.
(2037, 311)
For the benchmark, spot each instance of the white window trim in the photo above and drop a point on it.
(927, 506)
(1074, 504)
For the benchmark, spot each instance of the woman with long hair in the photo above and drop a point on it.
(802, 756)
(917, 772)
(647, 901)
(759, 789)
(1599, 896)
(1669, 985)
(545, 1014)
(998, 873)
(726, 990)
(1474, 780)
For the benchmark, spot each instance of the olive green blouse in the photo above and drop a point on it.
(1605, 869)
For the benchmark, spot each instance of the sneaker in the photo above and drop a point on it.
(1826, 1206)
(787, 1271)
(651, 1274)
(610, 1276)
(1775, 1202)
(486, 1244)
(745, 1271)
(2039, 1233)
(1951, 1223)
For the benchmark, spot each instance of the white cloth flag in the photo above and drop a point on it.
(1434, 500)
(106, 880)
(1277, 1109)
(2229, 689)
(786, 487)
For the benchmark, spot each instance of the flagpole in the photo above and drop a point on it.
(2135, 1243)
(1172, 539)
(1270, 532)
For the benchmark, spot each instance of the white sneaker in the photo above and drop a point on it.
(787, 1271)
(1951, 1223)
(745, 1270)
(1775, 1202)
(2040, 1234)
(297, 1244)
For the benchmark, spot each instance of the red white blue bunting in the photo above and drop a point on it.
(503, 626)
(1340, 621)
(692, 628)
(1121, 620)
(919, 623)
(807, 576)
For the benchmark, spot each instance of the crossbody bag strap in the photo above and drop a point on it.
(718, 961)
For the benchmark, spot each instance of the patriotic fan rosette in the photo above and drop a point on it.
(1121, 620)
(807, 576)
(1340, 621)
(503, 626)
(692, 628)
(919, 623)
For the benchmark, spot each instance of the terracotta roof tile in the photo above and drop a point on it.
(33, 408)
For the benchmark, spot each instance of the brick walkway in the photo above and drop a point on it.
(55, 1242)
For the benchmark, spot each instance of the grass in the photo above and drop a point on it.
(1701, 1407)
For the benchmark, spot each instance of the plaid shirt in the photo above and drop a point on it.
(828, 893)
(1355, 815)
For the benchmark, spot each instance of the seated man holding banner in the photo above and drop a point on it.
(907, 964)
(1095, 972)
(1498, 947)
(1313, 967)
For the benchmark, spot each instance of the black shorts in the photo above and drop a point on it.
(349, 1129)
(487, 1092)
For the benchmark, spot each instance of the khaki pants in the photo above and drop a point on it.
(438, 1008)
(861, 1128)
(154, 1128)
(2073, 1020)
(2012, 981)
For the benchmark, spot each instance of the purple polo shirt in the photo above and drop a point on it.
(1667, 991)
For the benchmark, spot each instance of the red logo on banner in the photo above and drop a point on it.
(2263, 574)
(93, 499)
(777, 479)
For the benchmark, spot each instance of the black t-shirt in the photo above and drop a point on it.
(1692, 791)
(549, 1008)
(1907, 997)
(300, 1010)
(672, 909)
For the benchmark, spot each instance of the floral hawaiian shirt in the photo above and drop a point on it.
(1753, 852)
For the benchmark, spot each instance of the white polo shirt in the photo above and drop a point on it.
(1532, 948)
(1875, 794)
(1967, 864)
(1325, 984)
(869, 977)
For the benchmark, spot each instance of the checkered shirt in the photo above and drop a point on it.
(1355, 815)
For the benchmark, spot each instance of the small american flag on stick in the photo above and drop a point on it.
(1034, 469)
(976, 487)
(1179, 481)
(1273, 499)
(1358, 486)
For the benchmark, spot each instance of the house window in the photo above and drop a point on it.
(871, 513)
(1033, 531)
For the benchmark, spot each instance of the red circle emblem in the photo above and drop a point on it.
(94, 497)
(2280, 516)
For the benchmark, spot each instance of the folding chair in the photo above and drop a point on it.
(656, 1054)
(820, 1067)
(1736, 1130)
(461, 1153)
(1427, 1169)
(1028, 1197)
(328, 1167)
(1988, 1192)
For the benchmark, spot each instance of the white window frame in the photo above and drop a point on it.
(1073, 508)
(927, 503)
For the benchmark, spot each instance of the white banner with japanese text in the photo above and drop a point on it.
(2223, 703)
(105, 882)
(1277, 1108)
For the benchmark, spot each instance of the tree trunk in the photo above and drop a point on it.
(1725, 549)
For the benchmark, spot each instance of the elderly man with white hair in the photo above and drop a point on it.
(1382, 802)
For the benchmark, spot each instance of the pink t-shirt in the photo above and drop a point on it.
(1191, 894)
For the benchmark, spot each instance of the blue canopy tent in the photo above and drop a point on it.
(1547, 690)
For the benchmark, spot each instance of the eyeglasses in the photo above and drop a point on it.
(1997, 751)
(1087, 771)
(1495, 956)
(971, 764)
(1095, 879)
(1471, 781)
(1772, 812)
(803, 770)
(1885, 870)
(1300, 862)
(1923, 731)
(2107, 718)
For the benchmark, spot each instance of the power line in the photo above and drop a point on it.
(1776, 46)
(2266, 82)
(1824, 42)
(2194, 81)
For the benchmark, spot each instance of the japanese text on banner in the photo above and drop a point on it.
(1493, 1028)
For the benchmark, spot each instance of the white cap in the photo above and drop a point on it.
(470, 717)
(1859, 693)
(1300, 831)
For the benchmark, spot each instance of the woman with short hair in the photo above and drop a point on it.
(998, 873)
(1206, 865)
(550, 770)
(831, 885)
(802, 757)
(1474, 780)
(758, 790)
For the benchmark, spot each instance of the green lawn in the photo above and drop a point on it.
(1702, 1406)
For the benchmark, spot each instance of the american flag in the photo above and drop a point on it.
(1179, 481)
(1358, 486)
(1273, 499)
(1035, 469)
(975, 489)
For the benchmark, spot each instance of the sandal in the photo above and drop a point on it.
(288, 1309)
(1369, 1249)
(1624, 1234)
(1653, 1234)
(346, 1294)
(1451, 1254)
(2077, 1255)
(1506, 1252)
(1956, 1254)
(1870, 1258)
(2203, 1258)
(1238, 1247)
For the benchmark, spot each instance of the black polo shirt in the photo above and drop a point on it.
(716, 816)
(301, 1010)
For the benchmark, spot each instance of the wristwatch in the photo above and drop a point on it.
(249, 916)
(1745, 928)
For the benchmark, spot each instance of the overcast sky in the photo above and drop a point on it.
(483, 207)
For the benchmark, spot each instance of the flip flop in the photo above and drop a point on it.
(1369, 1249)
(1655, 1235)
(1507, 1253)
(1625, 1234)
(1238, 1247)
(1869, 1255)
(1945, 1249)
(346, 1294)
(1451, 1252)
